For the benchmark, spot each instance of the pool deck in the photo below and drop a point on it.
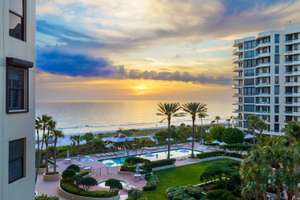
(102, 172)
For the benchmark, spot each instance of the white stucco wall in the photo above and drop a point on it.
(16, 126)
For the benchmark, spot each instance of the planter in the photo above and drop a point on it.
(71, 196)
(42, 170)
(51, 177)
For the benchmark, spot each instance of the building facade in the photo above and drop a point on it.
(17, 107)
(267, 77)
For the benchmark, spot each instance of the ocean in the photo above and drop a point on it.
(108, 116)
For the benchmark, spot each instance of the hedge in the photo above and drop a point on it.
(237, 147)
(151, 184)
(218, 153)
(160, 163)
(73, 189)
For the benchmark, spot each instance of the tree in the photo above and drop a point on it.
(68, 175)
(256, 125)
(270, 167)
(50, 128)
(216, 132)
(76, 141)
(88, 137)
(201, 116)
(193, 109)
(56, 134)
(292, 130)
(87, 182)
(233, 135)
(217, 119)
(38, 127)
(135, 194)
(169, 110)
(113, 184)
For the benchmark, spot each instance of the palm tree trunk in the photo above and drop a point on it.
(169, 137)
(193, 139)
(54, 154)
(38, 157)
(46, 150)
(201, 131)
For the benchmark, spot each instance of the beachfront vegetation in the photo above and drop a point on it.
(169, 110)
(223, 134)
(256, 125)
(47, 126)
(189, 192)
(193, 109)
(135, 194)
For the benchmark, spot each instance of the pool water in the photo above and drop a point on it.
(114, 162)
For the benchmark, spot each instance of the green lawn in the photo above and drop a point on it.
(186, 175)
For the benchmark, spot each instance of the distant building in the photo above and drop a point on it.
(17, 107)
(267, 77)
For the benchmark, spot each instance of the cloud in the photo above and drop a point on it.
(58, 62)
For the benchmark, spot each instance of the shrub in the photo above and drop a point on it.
(151, 183)
(185, 193)
(72, 188)
(236, 155)
(135, 194)
(220, 194)
(216, 132)
(68, 175)
(233, 135)
(73, 167)
(135, 160)
(210, 154)
(87, 182)
(237, 147)
(45, 197)
(128, 168)
(114, 184)
(84, 173)
(160, 163)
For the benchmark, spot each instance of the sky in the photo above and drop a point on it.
(89, 50)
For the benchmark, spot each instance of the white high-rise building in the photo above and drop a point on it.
(267, 78)
(17, 107)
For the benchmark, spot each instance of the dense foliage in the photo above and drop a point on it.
(45, 197)
(223, 134)
(185, 193)
(152, 182)
(113, 184)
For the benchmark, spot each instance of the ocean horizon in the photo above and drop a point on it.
(74, 117)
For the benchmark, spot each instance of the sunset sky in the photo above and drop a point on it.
(146, 49)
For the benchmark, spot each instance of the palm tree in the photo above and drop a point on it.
(255, 124)
(51, 127)
(56, 134)
(217, 119)
(44, 121)
(76, 140)
(202, 114)
(193, 109)
(169, 110)
(38, 127)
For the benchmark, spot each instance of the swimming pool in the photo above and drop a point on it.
(114, 162)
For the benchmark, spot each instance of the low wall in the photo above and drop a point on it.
(51, 177)
(71, 196)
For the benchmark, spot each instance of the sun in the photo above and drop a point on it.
(141, 89)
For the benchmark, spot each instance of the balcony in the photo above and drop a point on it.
(294, 41)
(292, 94)
(260, 55)
(267, 64)
(263, 95)
(237, 77)
(266, 84)
(265, 44)
(237, 51)
(291, 73)
(295, 51)
(293, 62)
(262, 103)
(263, 74)
(292, 113)
(292, 83)
(237, 69)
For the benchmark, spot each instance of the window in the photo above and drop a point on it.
(17, 19)
(17, 85)
(17, 89)
(16, 160)
(277, 59)
(277, 49)
(276, 89)
(277, 38)
(276, 69)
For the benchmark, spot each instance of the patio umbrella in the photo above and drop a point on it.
(109, 146)
(216, 142)
(189, 139)
(222, 143)
(249, 136)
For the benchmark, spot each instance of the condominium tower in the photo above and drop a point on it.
(17, 112)
(267, 77)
